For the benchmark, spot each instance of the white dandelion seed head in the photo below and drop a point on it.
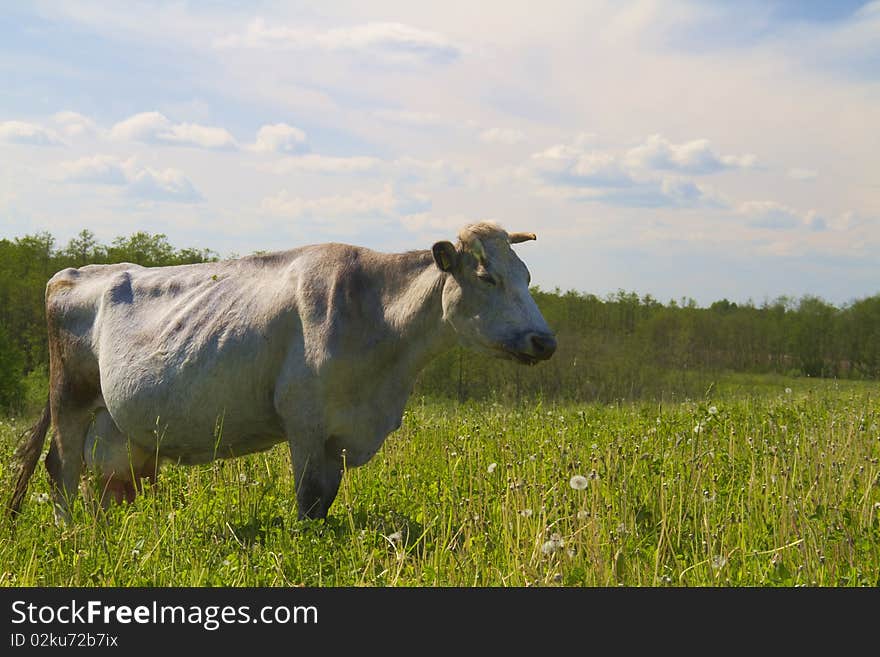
(583, 515)
(713, 410)
(718, 562)
(491, 468)
(594, 475)
(788, 391)
(42, 498)
(242, 477)
(554, 544)
(396, 537)
(578, 482)
(526, 513)
(698, 428)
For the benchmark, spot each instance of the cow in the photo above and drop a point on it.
(318, 346)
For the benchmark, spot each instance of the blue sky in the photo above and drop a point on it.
(704, 149)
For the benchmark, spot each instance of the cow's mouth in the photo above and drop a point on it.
(518, 356)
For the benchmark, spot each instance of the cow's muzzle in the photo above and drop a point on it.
(540, 345)
(532, 347)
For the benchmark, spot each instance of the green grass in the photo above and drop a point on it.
(773, 489)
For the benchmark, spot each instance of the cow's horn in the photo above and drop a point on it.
(516, 238)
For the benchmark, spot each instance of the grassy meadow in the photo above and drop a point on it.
(763, 481)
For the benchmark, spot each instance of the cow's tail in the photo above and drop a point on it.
(26, 455)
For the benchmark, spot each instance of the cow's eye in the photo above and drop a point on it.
(486, 277)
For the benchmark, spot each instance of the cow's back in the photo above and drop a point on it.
(188, 354)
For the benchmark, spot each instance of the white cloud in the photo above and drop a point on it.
(694, 157)
(155, 128)
(280, 138)
(19, 132)
(165, 185)
(98, 169)
(408, 117)
(571, 165)
(74, 124)
(502, 136)
(385, 203)
(802, 174)
(314, 163)
(778, 216)
(427, 222)
(389, 40)
(136, 180)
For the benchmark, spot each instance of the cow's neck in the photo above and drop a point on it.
(414, 311)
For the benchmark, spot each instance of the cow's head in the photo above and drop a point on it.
(486, 296)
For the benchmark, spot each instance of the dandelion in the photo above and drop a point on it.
(713, 410)
(555, 543)
(583, 515)
(396, 537)
(526, 513)
(42, 498)
(135, 553)
(718, 562)
(578, 482)
(491, 468)
(226, 562)
(788, 391)
(242, 477)
(593, 475)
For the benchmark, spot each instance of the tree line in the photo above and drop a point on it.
(621, 346)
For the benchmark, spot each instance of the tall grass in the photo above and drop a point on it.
(751, 485)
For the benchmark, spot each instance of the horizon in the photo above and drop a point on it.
(683, 149)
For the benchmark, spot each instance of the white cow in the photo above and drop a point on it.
(318, 346)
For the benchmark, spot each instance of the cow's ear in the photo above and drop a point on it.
(445, 255)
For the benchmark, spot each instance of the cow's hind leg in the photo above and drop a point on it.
(119, 464)
(317, 474)
(65, 458)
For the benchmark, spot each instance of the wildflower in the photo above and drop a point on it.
(491, 468)
(526, 513)
(718, 562)
(698, 428)
(396, 537)
(555, 543)
(788, 391)
(713, 410)
(242, 477)
(135, 553)
(593, 474)
(583, 515)
(578, 482)
(42, 498)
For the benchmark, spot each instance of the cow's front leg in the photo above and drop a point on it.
(317, 474)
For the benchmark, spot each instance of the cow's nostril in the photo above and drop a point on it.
(543, 346)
